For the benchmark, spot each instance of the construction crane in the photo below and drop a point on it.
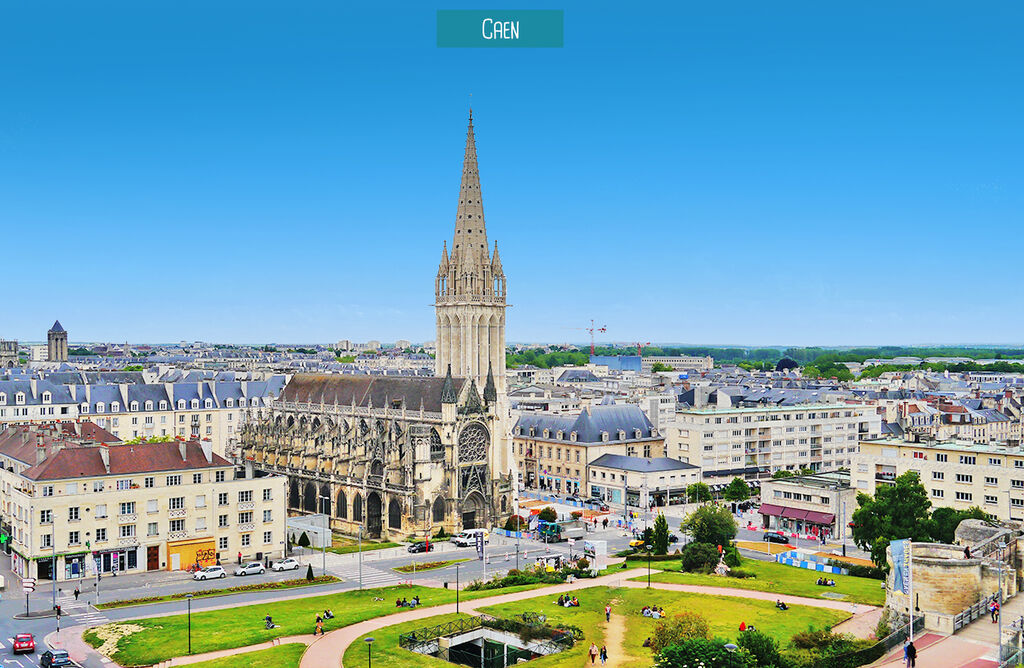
(591, 329)
(640, 348)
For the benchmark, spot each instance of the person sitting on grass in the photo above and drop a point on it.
(398, 603)
(269, 622)
(416, 598)
(328, 614)
(561, 600)
(780, 605)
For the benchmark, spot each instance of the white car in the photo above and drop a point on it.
(251, 568)
(288, 564)
(209, 573)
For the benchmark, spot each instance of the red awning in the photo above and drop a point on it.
(825, 519)
(770, 509)
(794, 513)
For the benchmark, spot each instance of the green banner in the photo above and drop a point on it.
(500, 28)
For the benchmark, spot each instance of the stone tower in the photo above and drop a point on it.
(470, 292)
(57, 343)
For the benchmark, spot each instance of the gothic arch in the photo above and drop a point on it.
(377, 467)
(357, 507)
(438, 509)
(309, 498)
(436, 446)
(394, 514)
(474, 511)
(294, 500)
(504, 504)
(341, 508)
(325, 499)
(374, 514)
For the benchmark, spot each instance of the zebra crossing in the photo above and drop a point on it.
(80, 612)
(372, 577)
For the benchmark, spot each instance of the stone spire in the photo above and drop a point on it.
(470, 229)
(448, 395)
(490, 391)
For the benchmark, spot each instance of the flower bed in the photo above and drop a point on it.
(256, 586)
(428, 566)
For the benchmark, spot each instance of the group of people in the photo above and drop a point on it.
(403, 603)
(780, 605)
(826, 582)
(993, 610)
(652, 611)
(744, 627)
(910, 654)
(568, 602)
(595, 653)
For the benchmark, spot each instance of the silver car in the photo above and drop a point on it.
(251, 568)
(288, 564)
(209, 573)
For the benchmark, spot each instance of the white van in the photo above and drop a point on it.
(468, 537)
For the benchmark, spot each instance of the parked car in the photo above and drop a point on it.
(24, 642)
(602, 506)
(209, 573)
(775, 538)
(421, 546)
(573, 497)
(288, 564)
(54, 658)
(468, 537)
(251, 568)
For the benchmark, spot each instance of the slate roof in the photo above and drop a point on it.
(344, 389)
(641, 464)
(589, 424)
(57, 326)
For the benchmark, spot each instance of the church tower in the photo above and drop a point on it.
(470, 292)
(57, 343)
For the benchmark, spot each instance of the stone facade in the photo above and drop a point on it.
(57, 343)
(8, 354)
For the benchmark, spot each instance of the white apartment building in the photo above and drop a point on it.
(756, 442)
(76, 507)
(677, 363)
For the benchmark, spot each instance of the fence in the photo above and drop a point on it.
(969, 614)
(878, 650)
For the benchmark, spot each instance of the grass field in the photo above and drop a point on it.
(428, 566)
(723, 613)
(283, 656)
(167, 637)
(342, 545)
(780, 579)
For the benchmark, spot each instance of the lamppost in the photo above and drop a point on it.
(456, 589)
(360, 527)
(648, 547)
(188, 599)
(323, 546)
(369, 652)
(999, 614)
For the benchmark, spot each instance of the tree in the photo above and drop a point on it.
(660, 534)
(782, 473)
(514, 523)
(699, 557)
(548, 514)
(896, 511)
(710, 524)
(698, 492)
(678, 628)
(309, 570)
(945, 521)
(785, 364)
(303, 540)
(702, 652)
(736, 490)
(658, 366)
(762, 647)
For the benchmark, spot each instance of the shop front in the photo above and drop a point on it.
(181, 554)
(74, 565)
(118, 561)
(796, 520)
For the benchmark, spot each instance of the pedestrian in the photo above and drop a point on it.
(906, 653)
(911, 655)
(604, 654)
(608, 613)
(77, 592)
(319, 626)
(593, 653)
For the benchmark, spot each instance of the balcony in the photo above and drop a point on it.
(248, 526)
(248, 505)
(127, 518)
(177, 535)
(176, 513)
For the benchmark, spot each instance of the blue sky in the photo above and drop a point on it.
(747, 172)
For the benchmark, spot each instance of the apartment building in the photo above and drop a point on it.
(552, 452)
(756, 442)
(678, 363)
(816, 503)
(641, 481)
(77, 505)
(957, 473)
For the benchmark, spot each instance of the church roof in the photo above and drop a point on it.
(56, 326)
(377, 391)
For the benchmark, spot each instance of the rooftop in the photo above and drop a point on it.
(641, 464)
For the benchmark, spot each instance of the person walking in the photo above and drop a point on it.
(604, 654)
(319, 626)
(593, 653)
(608, 613)
(911, 655)
(77, 592)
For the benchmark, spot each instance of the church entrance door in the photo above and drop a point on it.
(374, 512)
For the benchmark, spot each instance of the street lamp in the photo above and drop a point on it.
(648, 547)
(188, 599)
(369, 652)
(323, 546)
(456, 589)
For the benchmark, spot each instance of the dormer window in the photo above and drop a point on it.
(100, 406)
(533, 431)
(19, 398)
(622, 435)
(115, 406)
(85, 408)
(134, 406)
(572, 436)
(47, 397)
(547, 433)
(637, 433)
(195, 404)
(230, 403)
(241, 402)
(149, 405)
(181, 404)
(604, 436)
(163, 405)
(3, 399)
(561, 435)
(209, 403)
(519, 431)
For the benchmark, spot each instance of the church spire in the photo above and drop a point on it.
(469, 247)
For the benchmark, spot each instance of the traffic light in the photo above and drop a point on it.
(57, 609)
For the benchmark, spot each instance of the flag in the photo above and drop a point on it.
(901, 573)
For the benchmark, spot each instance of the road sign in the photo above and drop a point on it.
(480, 546)
(28, 585)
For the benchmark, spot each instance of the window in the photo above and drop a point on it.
(245, 496)
(152, 506)
(101, 535)
(968, 459)
(246, 539)
(991, 481)
(222, 521)
(268, 516)
(176, 502)
(197, 478)
(152, 529)
(201, 501)
(1018, 484)
(124, 484)
(71, 488)
(1018, 463)
(200, 524)
(964, 477)
(245, 518)
(73, 538)
(73, 515)
(46, 517)
(173, 480)
(222, 543)
(963, 496)
(127, 507)
(177, 525)
(995, 461)
(268, 537)
(97, 485)
(991, 500)
(938, 475)
(268, 495)
(1017, 503)
(218, 476)
(127, 531)
(101, 511)
(222, 499)
(47, 540)
(148, 482)
(940, 457)
(937, 493)
(47, 490)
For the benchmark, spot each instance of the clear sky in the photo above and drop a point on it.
(744, 172)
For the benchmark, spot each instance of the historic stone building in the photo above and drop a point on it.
(8, 354)
(57, 343)
(393, 456)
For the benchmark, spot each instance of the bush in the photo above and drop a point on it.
(440, 533)
(858, 570)
(576, 514)
(762, 647)
(700, 651)
(583, 563)
(700, 557)
(510, 580)
(732, 556)
(513, 521)
(740, 573)
(548, 514)
(309, 572)
(678, 628)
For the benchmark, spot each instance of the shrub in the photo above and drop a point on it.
(309, 572)
(548, 514)
(583, 563)
(700, 651)
(440, 533)
(762, 647)
(700, 557)
(660, 534)
(740, 573)
(858, 570)
(884, 626)
(576, 514)
(514, 522)
(732, 556)
(678, 628)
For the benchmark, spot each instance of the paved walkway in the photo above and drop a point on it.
(934, 651)
(209, 656)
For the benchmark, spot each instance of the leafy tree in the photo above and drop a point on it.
(945, 521)
(785, 364)
(514, 523)
(660, 534)
(658, 366)
(152, 439)
(896, 511)
(699, 557)
(762, 647)
(133, 367)
(710, 524)
(698, 492)
(346, 359)
(548, 514)
(736, 490)
(782, 473)
(648, 536)
(309, 570)
(303, 540)
(678, 628)
(702, 652)
(731, 556)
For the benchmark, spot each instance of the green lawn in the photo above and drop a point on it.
(428, 566)
(167, 637)
(340, 545)
(780, 579)
(283, 656)
(226, 591)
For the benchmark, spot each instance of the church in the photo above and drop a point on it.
(394, 457)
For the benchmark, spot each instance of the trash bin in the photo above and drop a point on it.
(445, 584)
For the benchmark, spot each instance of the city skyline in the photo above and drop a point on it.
(214, 190)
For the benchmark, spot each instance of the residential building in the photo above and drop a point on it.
(8, 354)
(678, 363)
(820, 502)
(642, 481)
(77, 504)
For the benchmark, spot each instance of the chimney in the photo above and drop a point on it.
(181, 449)
(105, 456)
(40, 449)
(207, 451)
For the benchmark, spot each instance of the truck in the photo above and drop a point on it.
(558, 531)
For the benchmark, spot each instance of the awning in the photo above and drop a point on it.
(794, 513)
(814, 517)
(770, 509)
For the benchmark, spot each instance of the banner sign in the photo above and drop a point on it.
(480, 546)
(901, 574)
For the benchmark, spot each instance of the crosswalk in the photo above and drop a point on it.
(80, 612)
(372, 577)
